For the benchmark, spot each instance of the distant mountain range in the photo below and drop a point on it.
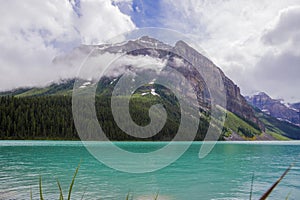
(254, 121)
(295, 106)
(276, 108)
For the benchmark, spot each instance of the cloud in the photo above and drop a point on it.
(236, 34)
(33, 32)
(98, 65)
(286, 28)
(279, 75)
(256, 42)
(101, 21)
(278, 69)
(140, 62)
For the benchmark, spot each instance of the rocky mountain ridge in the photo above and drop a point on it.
(276, 108)
(145, 45)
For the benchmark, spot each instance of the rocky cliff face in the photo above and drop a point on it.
(275, 108)
(236, 103)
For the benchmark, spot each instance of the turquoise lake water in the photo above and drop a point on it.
(224, 174)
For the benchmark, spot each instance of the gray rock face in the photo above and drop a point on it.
(275, 108)
(236, 103)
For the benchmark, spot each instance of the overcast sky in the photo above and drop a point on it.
(256, 43)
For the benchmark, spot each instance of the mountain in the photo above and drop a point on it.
(146, 46)
(236, 103)
(279, 129)
(242, 121)
(275, 108)
(295, 106)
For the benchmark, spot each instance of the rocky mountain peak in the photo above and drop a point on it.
(263, 94)
(275, 107)
(152, 47)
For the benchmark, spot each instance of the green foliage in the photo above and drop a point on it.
(226, 132)
(63, 88)
(50, 117)
(61, 196)
(240, 126)
(246, 132)
(279, 129)
(15, 92)
(277, 136)
(36, 118)
(72, 183)
(128, 196)
(156, 197)
(33, 92)
(47, 114)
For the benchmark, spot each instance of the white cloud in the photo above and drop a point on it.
(33, 32)
(230, 32)
(247, 39)
(140, 62)
(100, 65)
(278, 69)
(101, 21)
(285, 32)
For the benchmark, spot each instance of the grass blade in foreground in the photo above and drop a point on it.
(287, 197)
(61, 196)
(72, 183)
(251, 189)
(156, 197)
(275, 184)
(41, 192)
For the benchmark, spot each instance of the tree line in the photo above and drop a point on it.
(36, 118)
(50, 117)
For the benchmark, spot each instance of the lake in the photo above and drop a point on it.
(225, 173)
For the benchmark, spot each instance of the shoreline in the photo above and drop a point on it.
(149, 142)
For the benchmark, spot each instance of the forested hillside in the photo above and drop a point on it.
(50, 117)
(36, 117)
